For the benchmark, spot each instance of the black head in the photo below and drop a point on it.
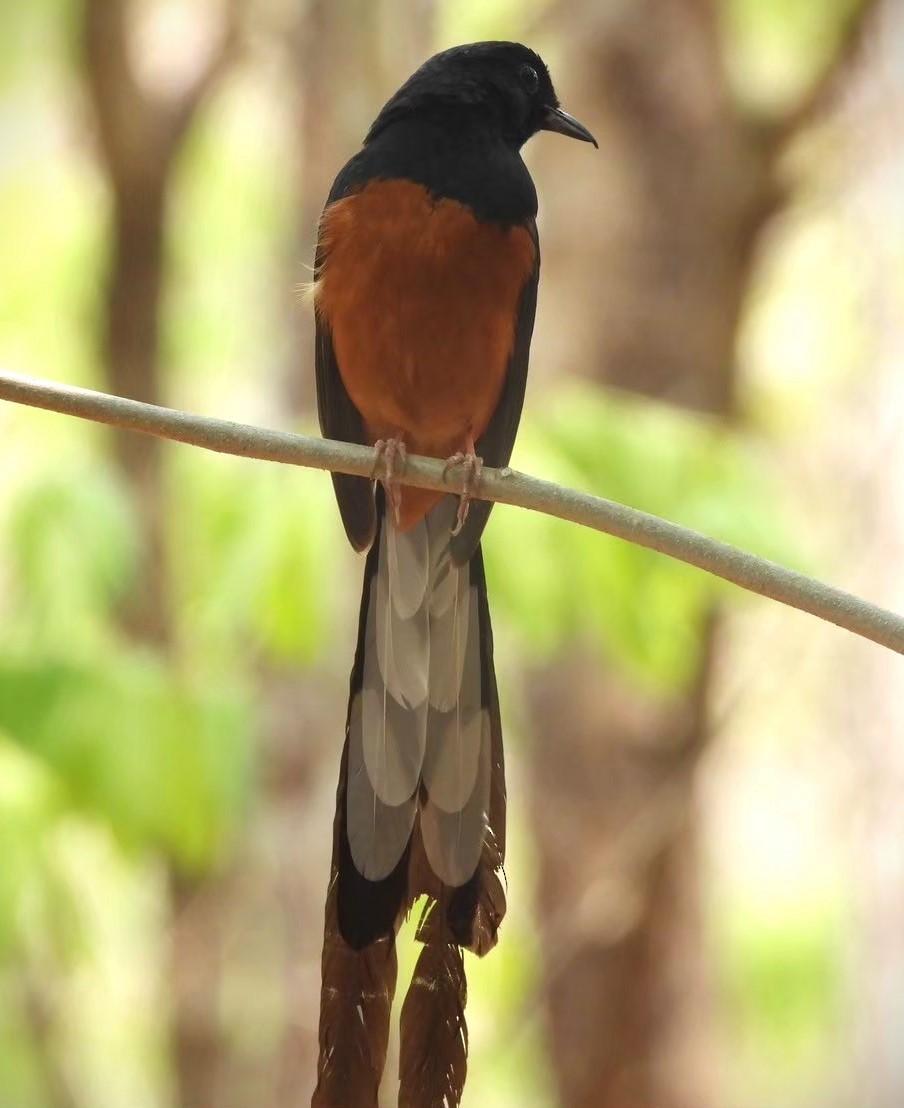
(500, 85)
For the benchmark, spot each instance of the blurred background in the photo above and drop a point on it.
(706, 868)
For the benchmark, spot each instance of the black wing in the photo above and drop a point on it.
(497, 442)
(339, 418)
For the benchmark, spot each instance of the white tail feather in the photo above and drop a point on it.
(402, 641)
(408, 564)
(418, 716)
(377, 832)
(454, 726)
(393, 734)
(449, 640)
(453, 841)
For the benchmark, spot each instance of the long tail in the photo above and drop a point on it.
(420, 810)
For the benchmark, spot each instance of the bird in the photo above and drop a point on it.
(425, 289)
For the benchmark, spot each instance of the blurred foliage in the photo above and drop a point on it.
(784, 987)
(643, 610)
(489, 19)
(38, 39)
(777, 49)
(71, 549)
(805, 347)
(32, 806)
(252, 543)
(231, 234)
(162, 764)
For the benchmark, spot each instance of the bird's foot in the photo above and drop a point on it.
(472, 465)
(389, 465)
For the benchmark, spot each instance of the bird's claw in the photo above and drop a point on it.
(473, 467)
(390, 456)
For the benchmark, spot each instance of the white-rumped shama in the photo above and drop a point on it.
(425, 289)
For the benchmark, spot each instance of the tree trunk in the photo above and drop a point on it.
(140, 132)
(135, 286)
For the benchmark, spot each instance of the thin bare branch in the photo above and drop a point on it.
(505, 486)
(140, 131)
(818, 97)
(224, 55)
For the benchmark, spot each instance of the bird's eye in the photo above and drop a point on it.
(529, 78)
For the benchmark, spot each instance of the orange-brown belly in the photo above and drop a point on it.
(421, 300)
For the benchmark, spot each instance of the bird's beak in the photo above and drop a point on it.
(554, 119)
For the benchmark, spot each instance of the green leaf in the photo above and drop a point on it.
(775, 49)
(165, 765)
(30, 803)
(72, 549)
(254, 549)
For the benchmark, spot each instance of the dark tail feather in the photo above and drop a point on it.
(365, 910)
(434, 1049)
(358, 965)
(358, 980)
(476, 909)
(434, 1035)
(355, 1004)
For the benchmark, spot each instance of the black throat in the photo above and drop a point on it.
(455, 157)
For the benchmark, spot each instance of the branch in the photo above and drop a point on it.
(502, 485)
(818, 97)
(140, 130)
(224, 55)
